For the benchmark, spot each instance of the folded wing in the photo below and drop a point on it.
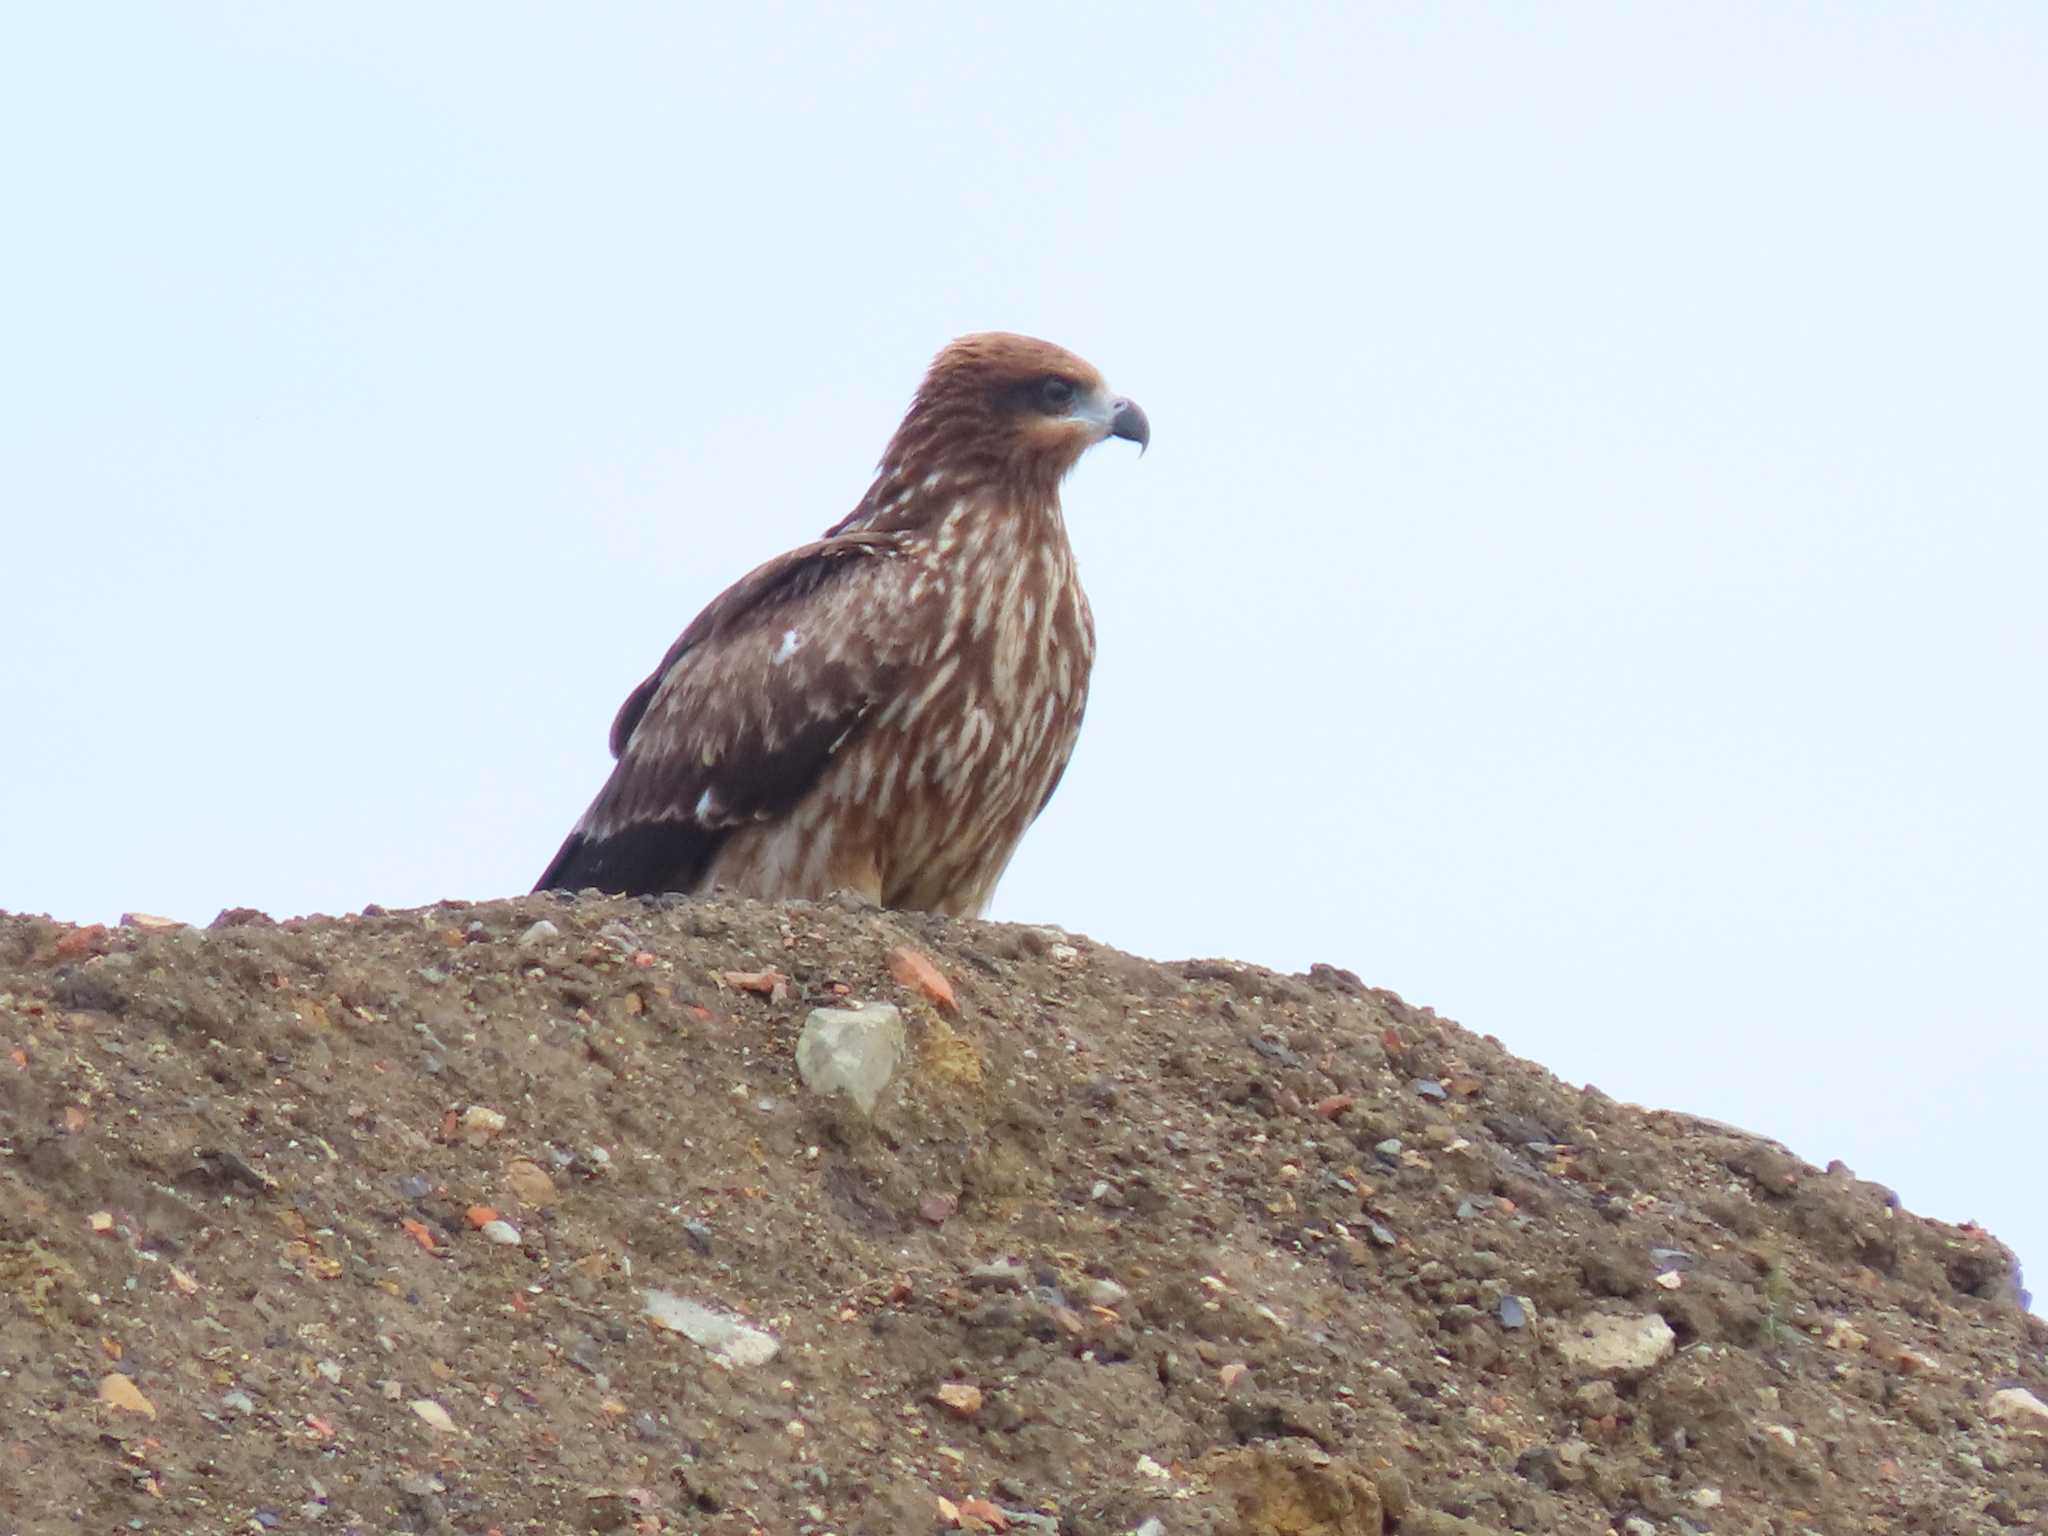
(744, 713)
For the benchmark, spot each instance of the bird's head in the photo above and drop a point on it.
(1012, 406)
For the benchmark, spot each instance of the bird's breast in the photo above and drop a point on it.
(965, 757)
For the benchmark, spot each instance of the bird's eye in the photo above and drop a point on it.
(1055, 393)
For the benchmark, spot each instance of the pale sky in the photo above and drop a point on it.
(1588, 575)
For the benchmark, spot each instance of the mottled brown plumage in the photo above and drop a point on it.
(887, 709)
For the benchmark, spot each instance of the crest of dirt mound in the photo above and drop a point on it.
(524, 1217)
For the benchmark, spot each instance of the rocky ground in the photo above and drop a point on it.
(524, 1218)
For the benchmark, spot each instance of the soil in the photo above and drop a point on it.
(519, 1217)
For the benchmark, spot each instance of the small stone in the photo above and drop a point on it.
(330, 1372)
(480, 1124)
(699, 1235)
(913, 969)
(149, 922)
(1390, 1149)
(1625, 1348)
(937, 1208)
(530, 1182)
(238, 1402)
(1783, 1434)
(851, 1051)
(1430, 1088)
(433, 1415)
(731, 1342)
(1597, 1398)
(501, 1232)
(2019, 1406)
(1105, 1293)
(90, 939)
(538, 934)
(1062, 954)
(1514, 1313)
(963, 1398)
(1707, 1498)
(997, 1275)
(1844, 1337)
(121, 1394)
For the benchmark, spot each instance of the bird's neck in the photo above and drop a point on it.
(920, 498)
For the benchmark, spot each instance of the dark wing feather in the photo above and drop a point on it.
(742, 715)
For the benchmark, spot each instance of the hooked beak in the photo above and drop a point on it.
(1127, 420)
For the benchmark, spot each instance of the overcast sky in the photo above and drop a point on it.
(1588, 575)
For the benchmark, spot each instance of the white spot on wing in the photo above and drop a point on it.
(792, 642)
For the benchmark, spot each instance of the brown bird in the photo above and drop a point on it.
(885, 710)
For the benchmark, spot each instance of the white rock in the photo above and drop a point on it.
(501, 1231)
(1105, 1293)
(433, 1415)
(480, 1123)
(2022, 1407)
(149, 922)
(1621, 1347)
(731, 1342)
(854, 1051)
(539, 933)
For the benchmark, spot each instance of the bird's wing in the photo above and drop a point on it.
(743, 714)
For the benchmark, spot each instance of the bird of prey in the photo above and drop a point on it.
(887, 709)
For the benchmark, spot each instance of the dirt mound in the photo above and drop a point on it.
(521, 1217)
